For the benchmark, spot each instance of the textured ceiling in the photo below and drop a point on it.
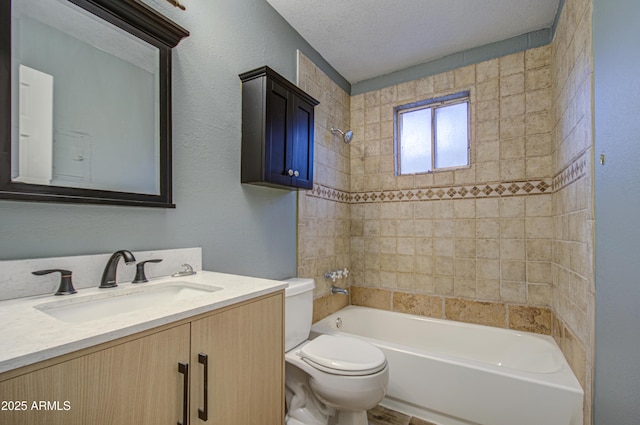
(363, 39)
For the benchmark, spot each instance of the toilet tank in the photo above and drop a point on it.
(298, 311)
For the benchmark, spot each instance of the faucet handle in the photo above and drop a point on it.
(331, 275)
(345, 272)
(66, 285)
(188, 271)
(140, 276)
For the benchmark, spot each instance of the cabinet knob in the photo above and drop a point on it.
(290, 172)
(296, 173)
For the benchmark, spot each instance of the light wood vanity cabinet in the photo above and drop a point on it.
(137, 380)
(245, 346)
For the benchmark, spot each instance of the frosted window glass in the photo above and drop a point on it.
(451, 136)
(415, 147)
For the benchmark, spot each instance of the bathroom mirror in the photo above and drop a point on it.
(85, 95)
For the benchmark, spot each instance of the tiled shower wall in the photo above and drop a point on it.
(508, 241)
(471, 244)
(573, 239)
(323, 218)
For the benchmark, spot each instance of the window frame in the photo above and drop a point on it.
(433, 104)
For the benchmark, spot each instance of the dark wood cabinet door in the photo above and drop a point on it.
(302, 144)
(278, 138)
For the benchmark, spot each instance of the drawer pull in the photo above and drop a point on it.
(183, 368)
(203, 414)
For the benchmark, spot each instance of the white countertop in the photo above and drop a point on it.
(29, 335)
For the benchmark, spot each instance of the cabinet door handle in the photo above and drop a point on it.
(203, 414)
(183, 368)
(290, 172)
(296, 173)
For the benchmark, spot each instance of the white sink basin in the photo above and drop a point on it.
(119, 301)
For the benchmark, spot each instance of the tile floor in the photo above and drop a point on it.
(383, 416)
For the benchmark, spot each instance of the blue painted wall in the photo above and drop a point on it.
(617, 210)
(242, 229)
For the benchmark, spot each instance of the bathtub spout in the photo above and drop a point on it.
(336, 290)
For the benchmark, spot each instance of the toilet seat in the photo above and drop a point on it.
(340, 355)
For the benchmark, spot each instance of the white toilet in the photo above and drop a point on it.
(330, 380)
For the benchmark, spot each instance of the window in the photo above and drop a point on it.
(432, 134)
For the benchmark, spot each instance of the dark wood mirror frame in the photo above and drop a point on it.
(140, 21)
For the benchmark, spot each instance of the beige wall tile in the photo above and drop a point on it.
(488, 249)
(443, 285)
(512, 64)
(570, 70)
(420, 304)
(512, 84)
(537, 79)
(488, 269)
(539, 294)
(530, 115)
(538, 57)
(488, 289)
(370, 297)
(464, 77)
(513, 270)
(488, 171)
(487, 208)
(513, 292)
(488, 90)
(483, 313)
(530, 319)
(488, 70)
(512, 105)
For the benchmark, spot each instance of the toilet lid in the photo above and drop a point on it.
(343, 355)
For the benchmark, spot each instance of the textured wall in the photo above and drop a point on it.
(323, 220)
(617, 202)
(507, 242)
(572, 267)
(241, 229)
(472, 244)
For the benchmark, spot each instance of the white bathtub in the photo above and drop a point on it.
(453, 373)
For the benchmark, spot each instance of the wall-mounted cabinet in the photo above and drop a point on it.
(277, 131)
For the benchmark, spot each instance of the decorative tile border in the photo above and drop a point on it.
(329, 193)
(575, 170)
(489, 190)
(572, 172)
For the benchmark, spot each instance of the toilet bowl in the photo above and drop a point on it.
(330, 379)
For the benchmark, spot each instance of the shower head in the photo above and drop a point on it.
(346, 136)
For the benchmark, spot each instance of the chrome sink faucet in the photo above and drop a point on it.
(109, 275)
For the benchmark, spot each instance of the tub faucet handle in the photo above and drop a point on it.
(345, 272)
(331, 275)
